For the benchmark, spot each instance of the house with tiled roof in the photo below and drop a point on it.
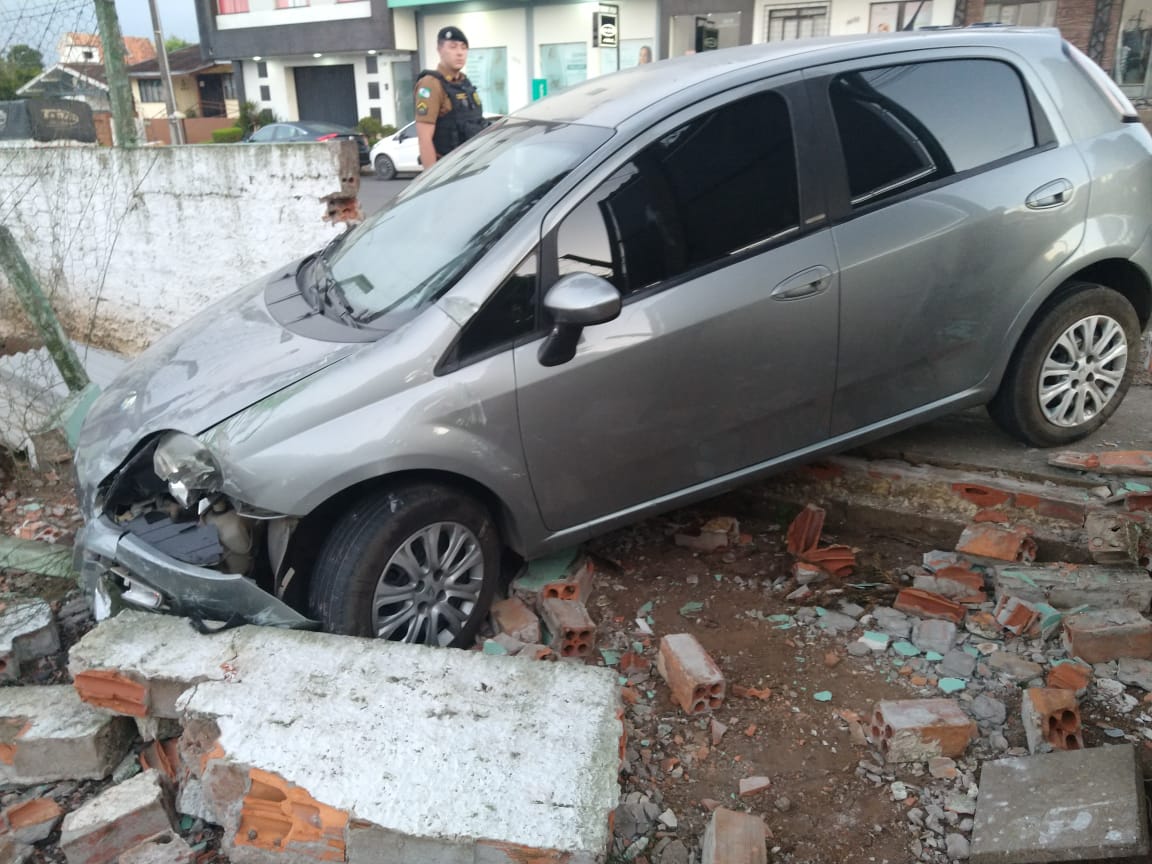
(87, 48)
(201, 88)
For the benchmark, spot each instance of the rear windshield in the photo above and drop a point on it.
(424, 240)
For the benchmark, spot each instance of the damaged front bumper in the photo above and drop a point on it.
(116, 565)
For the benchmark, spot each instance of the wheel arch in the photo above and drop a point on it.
(312, 530)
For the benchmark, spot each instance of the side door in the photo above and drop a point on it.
(956, 198)
(723, 355)
(407, 149)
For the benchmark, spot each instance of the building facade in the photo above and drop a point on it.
(201, 88)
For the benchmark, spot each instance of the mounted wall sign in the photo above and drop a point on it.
(606, 29)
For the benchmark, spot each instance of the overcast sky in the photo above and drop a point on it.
(177, 17)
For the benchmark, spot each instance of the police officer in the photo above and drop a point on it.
(448, 110)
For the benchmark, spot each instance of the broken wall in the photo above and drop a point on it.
(129, 243)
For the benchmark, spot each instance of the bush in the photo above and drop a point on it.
(373, 129)
(266, 116)
(246, 116)
(230, 135)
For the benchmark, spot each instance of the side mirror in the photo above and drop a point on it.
(576, 301)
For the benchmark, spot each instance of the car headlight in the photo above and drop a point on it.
(187, 466)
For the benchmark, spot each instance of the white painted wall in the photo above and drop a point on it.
(846, 17)
(404, 29)
(282, 82)
(137, 241)
(567, 23)
(506, 28)
(263, 13)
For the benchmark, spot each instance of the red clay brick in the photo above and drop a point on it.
(1138, 501)
(734, 838)
(754, 786)
(993, 541)
(1070, 676)
(277, 816)
(32, 821)
(695, 680)
(1051, 715)
(718, 533)
(573, 631)
(107, 688)
(577, 585)
(997, 516)
(632, 663)
(983, 496)
(1015, 615)
(512, 616)
(915, 730)
(821, 471)
(1138, 462)
(1065, 511)
(839, 561)
(1099, 637)
(925, 604)
(804, 532)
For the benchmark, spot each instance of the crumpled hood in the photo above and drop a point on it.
(228, 357)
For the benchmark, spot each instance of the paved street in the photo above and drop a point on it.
(374, 193)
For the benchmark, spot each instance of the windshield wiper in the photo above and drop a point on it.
(328, 284)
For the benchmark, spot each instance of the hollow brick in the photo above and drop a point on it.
(1051, 715)
(695, 680)
(915, 730)
(573, 631)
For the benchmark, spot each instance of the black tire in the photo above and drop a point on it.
(385, 170)
(1017, 405)
(352, 562)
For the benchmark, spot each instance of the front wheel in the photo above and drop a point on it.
(1071, 369)
(413, 564)
(385, 170)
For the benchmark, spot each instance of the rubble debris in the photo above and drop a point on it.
(804, 532)
(1015, 615)
(927, 605)
(1098, 637)
(989, 540)
(1051, 716)
(566, 575)
(47, 734)
(166, 848)
(915, 730)
(1070, 675)
(33, 820)
(1132, 462)
(573, 631)
(117, 820)
(836, 560)
(513, 617)
(1071, 586)
(695, 680)
(956, 583)
(1135, 672)
(1015, 668)
(718, 533)
(27, 632)
(1113, 538)
(734, 838)
(930, 634)
(12, 851)
(1061, 806)
(754, 786)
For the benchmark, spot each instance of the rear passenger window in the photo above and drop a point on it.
(902, 126)
(720, 184)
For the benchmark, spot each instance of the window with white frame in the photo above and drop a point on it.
(150, 90)
(795, 22)
(1035, 13)
(290, 4)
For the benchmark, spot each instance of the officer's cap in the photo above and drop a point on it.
(451, 34)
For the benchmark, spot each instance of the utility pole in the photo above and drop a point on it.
(174, 124)
(119, 90)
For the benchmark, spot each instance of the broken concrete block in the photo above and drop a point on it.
(696, 681)
(573, 631)
(807, 574)
(139, 663)
(12, 851)
(988, 540)
(1134, 672)
(1070, 675)
(754, 786)
(1113, 538)
(1133, 462)
(955, 583)
(930, 634)
(1082, 805)
(734, 838)
(1051, 715)
(924, 604)
(718, 533)
(1098, 637)
(1015, 668)
(1015, 615)
(915, 730)
(118, 819)
(513, 617)
(1071, 586)
(566, 575)
(27, 632)
(48, 734)
(166, 848)
(359, 711)
(33, 820)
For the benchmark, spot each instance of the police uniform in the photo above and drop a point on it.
(448, 100)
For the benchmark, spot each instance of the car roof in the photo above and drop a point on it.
(613, 100)
(319, 126)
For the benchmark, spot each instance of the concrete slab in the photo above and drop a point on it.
(47, 734)
(117, 820)
(1071, 586)
(27, 632)
(1082, 805)
(400, 745)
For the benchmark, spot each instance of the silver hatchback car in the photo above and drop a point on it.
(629, 296)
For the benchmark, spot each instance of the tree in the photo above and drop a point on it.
(174, 43)
(18, 66)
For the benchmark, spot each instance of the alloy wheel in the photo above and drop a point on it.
(1083, 371)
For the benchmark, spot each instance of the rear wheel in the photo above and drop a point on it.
(413, 564)
(1072, 368)
(385, 170)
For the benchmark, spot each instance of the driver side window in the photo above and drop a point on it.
(716, 186)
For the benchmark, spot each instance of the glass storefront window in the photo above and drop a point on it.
(726, 24)
(564, 64)
(487, 69)
(1034, 13)
(629, 54)
(1135, 47)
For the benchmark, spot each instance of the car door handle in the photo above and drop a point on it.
(814, 280)
(1054, 194)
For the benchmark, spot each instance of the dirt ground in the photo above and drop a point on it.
(829, 800)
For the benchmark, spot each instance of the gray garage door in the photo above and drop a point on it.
(326, 93)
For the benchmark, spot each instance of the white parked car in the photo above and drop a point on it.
(399, 153)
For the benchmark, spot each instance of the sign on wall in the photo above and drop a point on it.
(606, 27)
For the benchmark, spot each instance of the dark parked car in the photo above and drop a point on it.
(306, 130)
(632, 295)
